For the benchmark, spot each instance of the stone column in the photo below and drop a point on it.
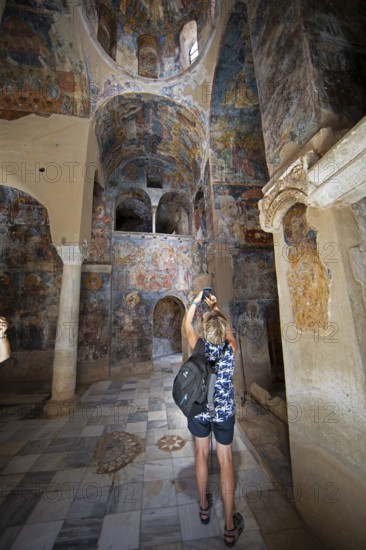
(154, 209)
(319, 240)
(65, 359)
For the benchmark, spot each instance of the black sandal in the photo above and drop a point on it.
(236, 532)
(206, 511)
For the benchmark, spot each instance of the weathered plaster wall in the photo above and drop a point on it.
(325, 383)
(30, 281)
(321, 46)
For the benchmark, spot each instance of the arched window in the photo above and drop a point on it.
(148, 56)
(188, 42)
(193, 52)
(133, 212)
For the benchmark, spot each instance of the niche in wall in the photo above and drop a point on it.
(172, 215)
(167, 321)
(107, 31)
(148, 56)
(133, 212)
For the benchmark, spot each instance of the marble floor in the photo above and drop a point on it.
(76, 481)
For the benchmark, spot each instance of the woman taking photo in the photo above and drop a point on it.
(220, 347)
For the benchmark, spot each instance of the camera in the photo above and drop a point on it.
(205, 293)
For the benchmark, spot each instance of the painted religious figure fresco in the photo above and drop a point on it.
(306, 274)
(150, 127)
(94, 319)
(152, 266)
(40, 72)
(30, 272)
(236, 133)
(237, 216)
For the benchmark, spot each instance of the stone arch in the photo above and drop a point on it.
(173, 214)
(133, 211)
(167, 321)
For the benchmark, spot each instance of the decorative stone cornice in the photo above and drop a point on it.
(291, 187)
(340, 175)
(338, 178)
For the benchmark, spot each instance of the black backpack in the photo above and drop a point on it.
(193, 387)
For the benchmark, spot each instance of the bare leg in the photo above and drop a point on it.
(202, 450)
(225, 458)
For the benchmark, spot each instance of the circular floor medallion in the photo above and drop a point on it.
(115, 450)
(171, 443)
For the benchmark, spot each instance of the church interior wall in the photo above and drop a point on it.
(202, 143)
(310, 88)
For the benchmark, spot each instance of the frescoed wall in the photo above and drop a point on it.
(127, 274)
(237, 216)
(30, 281)
(237, 148)
(148, 126)
(323, 45)
(161, 22)
(40, 67)
(239, 172)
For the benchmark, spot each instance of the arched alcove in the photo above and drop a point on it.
(172, 215)
(148, 56)
(30, 281)
(133, 212)
(167, 321)
(107, 31)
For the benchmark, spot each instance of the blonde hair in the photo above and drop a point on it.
(215, 326)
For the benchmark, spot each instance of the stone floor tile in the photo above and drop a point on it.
(273, 511)
(158, 469)
(8, 536)
(52, 506)
(92, 431)
(293, 538)
(79, 533)
(118, 529)
(20, 464)
(160, 526)
(159, 493)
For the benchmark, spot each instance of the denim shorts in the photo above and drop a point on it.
(223, 431)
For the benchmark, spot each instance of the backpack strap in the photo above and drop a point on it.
(199, 348)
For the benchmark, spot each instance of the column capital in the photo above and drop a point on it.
(73, 254)
(337, 178)
(285, 190)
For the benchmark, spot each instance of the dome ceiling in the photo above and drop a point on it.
(159, 17)
(149, 127)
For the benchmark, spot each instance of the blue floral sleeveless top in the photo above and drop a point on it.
(224, 389)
